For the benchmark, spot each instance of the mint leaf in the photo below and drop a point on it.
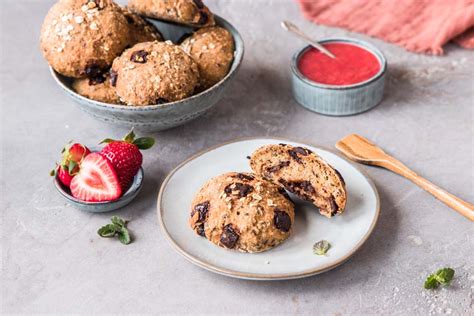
(431, 282)
(117, 227)
(321, 247)
(107, 231)
(444, 276)
(124, 236)
(441, 277)
(118, 221)
(144, 142)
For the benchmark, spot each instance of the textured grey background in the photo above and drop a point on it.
(53, 261)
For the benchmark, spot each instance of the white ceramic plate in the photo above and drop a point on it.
(292, 259)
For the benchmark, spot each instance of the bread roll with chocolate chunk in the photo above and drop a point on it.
(303, 173)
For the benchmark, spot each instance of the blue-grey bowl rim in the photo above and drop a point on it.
(363, 44)
(127, 194)
(238, 57)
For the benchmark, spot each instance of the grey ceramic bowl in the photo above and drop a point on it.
(101, 207)
(161, 116)
(339, 100)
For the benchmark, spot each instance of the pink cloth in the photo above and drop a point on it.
(421, 26)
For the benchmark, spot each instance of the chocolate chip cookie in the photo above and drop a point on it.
(303, 173)
(242, 211)
(140, 29)
(189, 12)
(98, 89)
(81, 38)
(154, 73)
(213, 50)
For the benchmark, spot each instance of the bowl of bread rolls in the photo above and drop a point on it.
(152, 65)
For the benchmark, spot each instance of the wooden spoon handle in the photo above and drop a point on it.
(462, 207)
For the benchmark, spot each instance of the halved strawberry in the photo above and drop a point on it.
(125, 156)
(96, 180)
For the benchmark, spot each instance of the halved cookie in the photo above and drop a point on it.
(303, 173)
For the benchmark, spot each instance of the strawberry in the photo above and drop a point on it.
(77, 152)
(70, 164)
(96, 181)
(125, 156)
(64, 176)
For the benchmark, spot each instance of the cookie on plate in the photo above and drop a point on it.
(80, 38)
(213, 50)
(140, 29)
(188, 12)
(242, 211)
(303, 173)
(154, 73)
(98, 89)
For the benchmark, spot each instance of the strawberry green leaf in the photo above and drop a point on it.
(107, 231)
(144, 142)
(107, 141)
(130, 137)
(71, 167)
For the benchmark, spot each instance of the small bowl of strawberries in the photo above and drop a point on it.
(105, 179)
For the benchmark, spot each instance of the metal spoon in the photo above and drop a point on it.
(295, 30)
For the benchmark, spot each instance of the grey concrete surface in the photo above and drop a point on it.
(54, 262)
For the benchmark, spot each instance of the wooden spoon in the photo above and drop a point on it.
(362, 150)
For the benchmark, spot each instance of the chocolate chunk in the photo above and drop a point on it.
(298, 151)
(130, 20)
(203, 18)
(96, 80)
(113, 78)
(276, 168)
(302, 151)
(306, 186)
(161, 101)
(199, 4)
(93, 70)
(282, 220)
(242, 189)
(200, 230)
(229, 237)
(242, 176)
(333, 208)
(340, 177)
(282, 144)
(303, 189)
(139, 57)
(202, 208)
(248, 157)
